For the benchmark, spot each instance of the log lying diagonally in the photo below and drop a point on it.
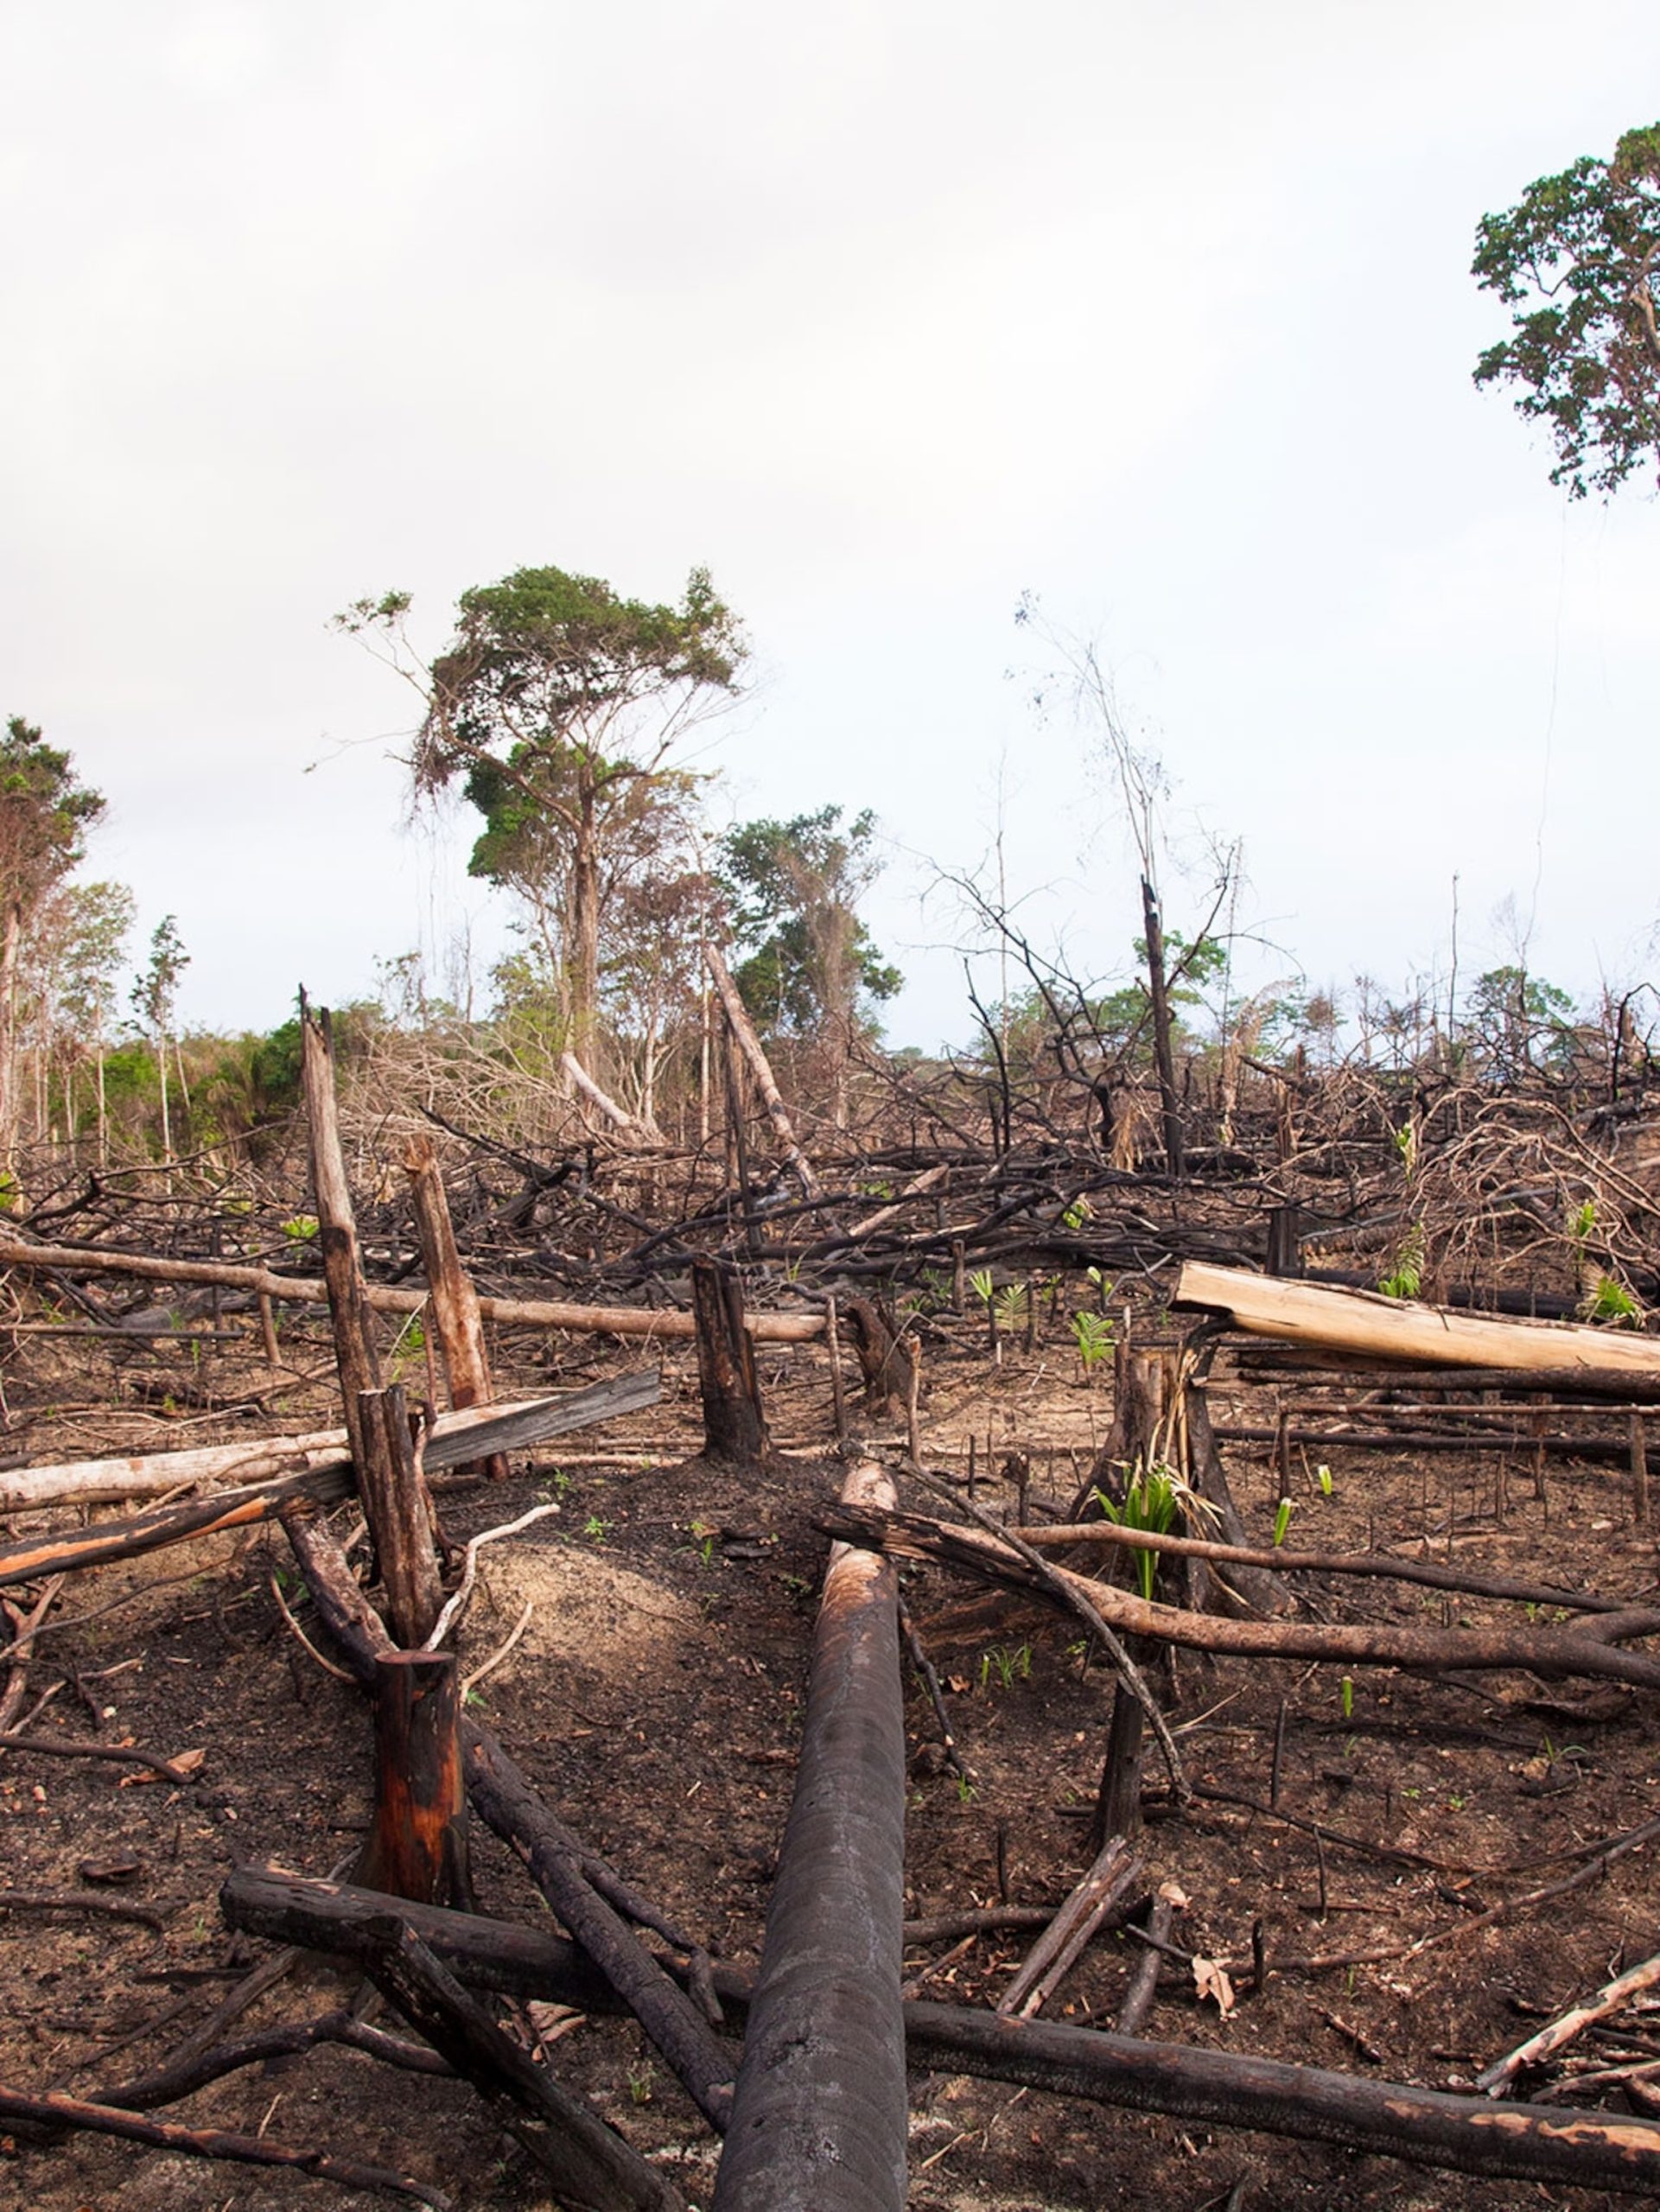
(1551, 1652)
(818, 2116)
(1430, 2127)
(1367, 1324)
(310, 1290)
(457, 1438)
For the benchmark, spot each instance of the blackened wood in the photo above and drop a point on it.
(454, 1302)
(818, 2120)
(505, 1800)
(888, 1361)
(355, 1353)
(1391, 2120)
(1639, 1449)
(398, 1506)
(588, 2164)
(417, 1844)
(1118, 1799)
(735, 1426)
(1285, 1240)
(52, 2111)
(744, 1031)
(1163, 1026)
(1058, 1949)
(1144, 1980)
(1547, 1651)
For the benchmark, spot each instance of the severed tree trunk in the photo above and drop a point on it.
(417, 1844)
(454, 1302)
(735, 1426)
(1163, 1028)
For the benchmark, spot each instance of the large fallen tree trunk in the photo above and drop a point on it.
(1551, 1652)
(818, 2113)
(307, 1290)
(1368, 1324)
(1430, 2127)
(458, 1437)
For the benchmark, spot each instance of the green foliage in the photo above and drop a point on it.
(1093, 1335)
(301, 1227)
(1610, 1301)
(795, 887)
(1075, 1215)
(1516, 1020)
(981, 1284)
(1282, 1522)
(1582, 1220)
(1005, 1667)
(1323, 1477)
(1012, 1304)
(1152, 1499)
(1406, 1277)
(45, 814)
(1575, 258)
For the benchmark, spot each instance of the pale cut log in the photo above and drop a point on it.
(1366, 1323)
(457, 1438)
(329, 1481)
(307, 1290)
(749, 1045)
(618, 1115)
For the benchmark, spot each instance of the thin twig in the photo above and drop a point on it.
(470, 1567)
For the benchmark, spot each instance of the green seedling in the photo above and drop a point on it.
(1282, 1522)
(1103, 1287)
(964, 1790)
(299, 1228)
(595, 1529)
(1406, 1143)
(981, 1284)
(1092, 1334)
(1076, 1214)
(1323, 1477)
(1011, 1305)
(1007, 1667)
(702, 1541)
(639, 2083)
(1610, 1301)
(556, 1484)
(1348, 1697)
(1406, 1277)
(1581, 1222)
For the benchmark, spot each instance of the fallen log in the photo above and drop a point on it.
(1366, 1323)
(457, 1438)
(1545, 1651)
(384, 1298)
(1427, 2127)
(818, 2115)
(53, 2111)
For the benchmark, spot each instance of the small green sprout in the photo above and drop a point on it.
(1348, 1697)
(1282, 1522)
(1323, 1477)
(595, 1529)
(1093, 1335)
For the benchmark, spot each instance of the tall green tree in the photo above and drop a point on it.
(45, 814)
(810, 968)
(1575, 257)
(555, 710)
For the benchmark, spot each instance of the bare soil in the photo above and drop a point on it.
(655, 1696)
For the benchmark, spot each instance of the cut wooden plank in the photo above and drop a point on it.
(1367, 1324)
(308, 1290)
(459, 1437)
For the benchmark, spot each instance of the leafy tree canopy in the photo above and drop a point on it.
(1575, 259)
(45, 813)
(795, 887)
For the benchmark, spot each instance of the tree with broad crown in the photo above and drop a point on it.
(795, 887)
(555, 708)
(45, 813)
(1576, 258)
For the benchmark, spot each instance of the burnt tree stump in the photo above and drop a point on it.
(417, 1844)
(735, 1426)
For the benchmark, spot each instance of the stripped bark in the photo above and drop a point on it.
(749, 1045)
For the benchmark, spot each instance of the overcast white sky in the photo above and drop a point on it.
(886, 313)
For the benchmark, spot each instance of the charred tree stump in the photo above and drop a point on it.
(888, 1362)
(398, 1506)
(735, 1426)
(417, 1845)
(818, 2115)
(1285, 1241)
(454, 1302)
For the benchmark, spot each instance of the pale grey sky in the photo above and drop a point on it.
(887, 314)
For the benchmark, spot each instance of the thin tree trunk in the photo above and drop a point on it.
(10, 941)
(1163, 1047)
(167, 1127)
